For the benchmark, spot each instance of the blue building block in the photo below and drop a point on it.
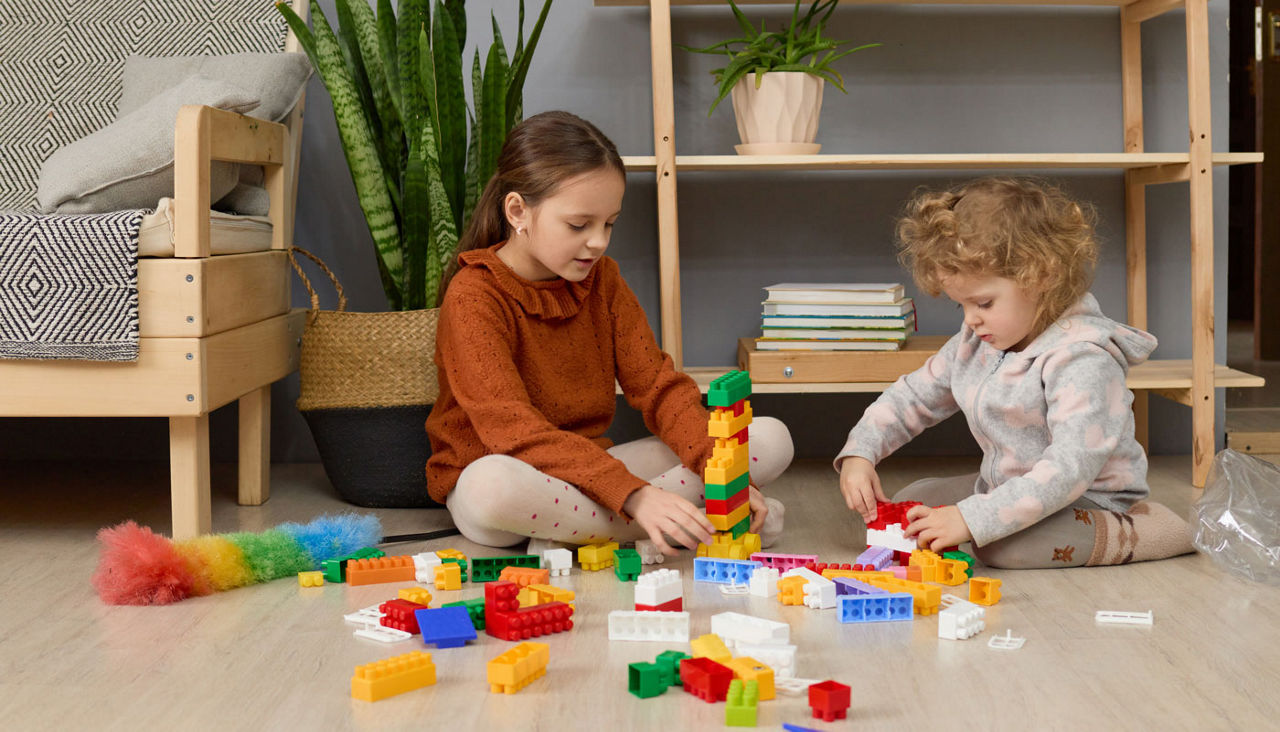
(873, 608)
(727, 390)
(445, 627)
(851, 586)
(723, 571)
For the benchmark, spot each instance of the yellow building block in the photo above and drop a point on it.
(419, 595)
(311, 579)
(984, 590)
(723, 471)
(594, 557)
(791, 590)
(448, 576)
(724, 523)
(749, 669)
(927, 561)
(926, 597)
(517, 667)
(451, 554)
(724, 546)
(951, 572)
(861, 576)
(722, 423)
(542, 594)
(730, 449)
(710, 646)
(395, 675)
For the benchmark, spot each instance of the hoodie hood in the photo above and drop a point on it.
(1085, 323)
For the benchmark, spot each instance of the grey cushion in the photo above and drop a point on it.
(129, 163)
(276, 79)
(246, 200)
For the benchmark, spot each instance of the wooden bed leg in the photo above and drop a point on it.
(255, 446)
(189, 476)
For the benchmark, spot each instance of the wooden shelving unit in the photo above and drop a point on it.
(1187, 381)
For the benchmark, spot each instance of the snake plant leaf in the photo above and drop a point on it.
(449, 112)
(299, 28)
(417, 225)
(514, 103)
(388, 48)
(474, 184)
(414, 16)
(519, 33)
(391, 143)
(493, 128)
(354, 57)
(443, 239)
(458, 14)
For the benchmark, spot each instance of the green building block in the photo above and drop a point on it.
(963, 557)
(335, 570)
(729, 389)
(475, 609)
(717, 492)
(462, 565)
(368, 552)
(742, 704)
(645, 680)
(741, 527)
(669, 663)
(487, 569)
(626, 564)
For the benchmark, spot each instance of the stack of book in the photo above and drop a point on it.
(836, 317)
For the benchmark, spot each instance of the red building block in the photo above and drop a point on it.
(505, 619)
(725, 507)
(891, 513)
(829, 700)
(705, 679)
(670, 606)
(399, 614)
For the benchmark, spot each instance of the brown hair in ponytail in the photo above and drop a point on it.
(539, 154)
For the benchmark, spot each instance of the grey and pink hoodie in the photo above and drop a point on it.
(1054, 421)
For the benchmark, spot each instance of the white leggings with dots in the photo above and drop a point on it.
(500, 500)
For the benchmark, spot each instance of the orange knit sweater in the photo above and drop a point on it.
(527, 369)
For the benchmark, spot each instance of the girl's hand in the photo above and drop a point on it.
(661, 512)
(758, 508)
(860, 485)
(937, 528)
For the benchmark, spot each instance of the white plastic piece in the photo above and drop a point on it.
(659, 587)
(558, 561)
(1121, 617)
(1005, 642)
(892, 538)
(819, 592)
(792, 686)
(424, 567)
(960, 619)
(780, 658)
(629, 625)
(383, 634)
(732, 589)
(649, 552)
(764, 582)
(365, 616)
(736, 628)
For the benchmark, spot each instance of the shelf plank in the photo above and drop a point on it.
(969, 161)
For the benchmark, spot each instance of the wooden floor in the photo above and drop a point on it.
(277, 656)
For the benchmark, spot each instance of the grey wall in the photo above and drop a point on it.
(961, 80)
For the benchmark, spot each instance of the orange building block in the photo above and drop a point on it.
(448, 576)
(984, 590)
(927, 561)
(517, 667)
(525, 576)
(710, 646)
(542, 594)
(951, 572)
(395, 675)
(749, 669)
(379, 569)
(926, 597)
(419, 595)
(791, 590)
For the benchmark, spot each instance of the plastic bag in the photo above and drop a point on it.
(1238, 517)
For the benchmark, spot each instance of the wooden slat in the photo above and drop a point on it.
(246, 358)
(1135, 197)
(222, 293)
(943, 161)
(1148, 9)
(189, 486)
(664, 146)
(1201, 208)
(255, 446)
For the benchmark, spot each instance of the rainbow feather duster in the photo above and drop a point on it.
(139, 567)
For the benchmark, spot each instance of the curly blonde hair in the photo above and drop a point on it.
(1021, 229)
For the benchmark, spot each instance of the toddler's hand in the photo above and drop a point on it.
(758, 508)
(937, 528)
(860, 485)
(661, 512)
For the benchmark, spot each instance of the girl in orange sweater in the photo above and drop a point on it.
(535, 328)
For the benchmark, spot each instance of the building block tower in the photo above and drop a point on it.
(726, 474)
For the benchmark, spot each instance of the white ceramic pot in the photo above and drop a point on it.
(781, 116)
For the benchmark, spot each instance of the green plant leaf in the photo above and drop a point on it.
(450, 107)
(443, 242)
(457, 10)
(493, 123)
(415, 15)
(742, 20)
(417, 225)
(387, 141)
(514, 103)
(389, 50)
(300, 30)
(473, 183)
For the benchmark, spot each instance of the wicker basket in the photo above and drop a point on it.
(367, 385)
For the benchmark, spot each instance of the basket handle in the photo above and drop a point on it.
(315, 298)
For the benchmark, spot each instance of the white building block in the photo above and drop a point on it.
(792, 686)
(649, 552)
(365, 616)
(629, 625)
(735, 628)
(557, 560)
(659, 587)
(764, 582)
(780, 658)
(891, 537)
(960, 619)
(1005, 642)
(424, 567)
(1122, 617)
(819, 592)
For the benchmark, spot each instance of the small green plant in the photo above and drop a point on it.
(763, 51)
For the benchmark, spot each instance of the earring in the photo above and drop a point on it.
(520, 230)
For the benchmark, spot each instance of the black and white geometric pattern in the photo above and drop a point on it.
(61, 63)
(69, 286)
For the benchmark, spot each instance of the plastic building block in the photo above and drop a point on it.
(424, 567)
(1005, 642)
(764, 582)
(892, 537)
(725, 545)
(728, 505)
(705, 679)
(446, 627)
(875, 608)
(629, 625)
(818, 592)
(740, 707)
(783, 562)
(645, 680)
(732, 589)
(543, 594)
(723, 471)
(382, 634)
(399, 614)
(926, 597)
(448, 576)
(794, 686)
(961, 556)
(876, 556)
(797, 728)
(455, 556)
(891, 513)
(335, 570)
(850, 586)
(674, 606)
(669, 663)
(749, 669)
(558, 561)
(960, 619)
(505, 619)
(516, 668)
(525, 576)
(726, 490)
(649, 552)
(984, 590)
(419, 595)
(461, 564)
(364, 616)
(857, 574)
(487, 569)
(727, 522)
(951, 572)
(311, 579)
(927, 561)
(780, 658)
(723, 571)
(658, 587)
(626, 564)
(474, 608)
(737, 628)
(791, 590)
(722, 422)
(829, 700)
(725, 390)
(1122, 617)
(376, 570)
(595, 557)
(710, 646)
(395, 675)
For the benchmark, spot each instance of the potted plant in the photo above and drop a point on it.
(419, 157)
(777, 77)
